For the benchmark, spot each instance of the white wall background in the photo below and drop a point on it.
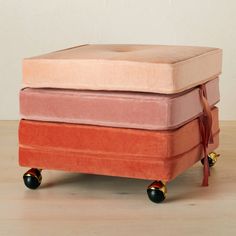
(31, 27)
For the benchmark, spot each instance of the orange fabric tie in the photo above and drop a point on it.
(205, 124)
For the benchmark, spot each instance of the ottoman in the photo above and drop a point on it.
(137, 111)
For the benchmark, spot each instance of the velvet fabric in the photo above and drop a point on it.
(116, 109)
(143, 68)
(113, 151)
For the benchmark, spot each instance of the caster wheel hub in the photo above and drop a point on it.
(157, 191)
(32, 178)
(212, 159)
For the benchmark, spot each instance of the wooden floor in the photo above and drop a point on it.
(79, 204)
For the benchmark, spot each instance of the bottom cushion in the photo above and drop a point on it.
(113, 151)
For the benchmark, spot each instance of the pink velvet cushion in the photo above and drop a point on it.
(144, 68)
(117, 109)
(113, 151)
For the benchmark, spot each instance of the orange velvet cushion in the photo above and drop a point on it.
(112, 151)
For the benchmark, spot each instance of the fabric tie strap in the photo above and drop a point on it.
(205, 125)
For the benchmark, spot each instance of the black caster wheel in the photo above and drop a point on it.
(157, 191)
(212, 159)
(32, 178)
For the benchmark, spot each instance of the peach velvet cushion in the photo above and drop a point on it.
(117, 109)
(112, 151)
(144, 68)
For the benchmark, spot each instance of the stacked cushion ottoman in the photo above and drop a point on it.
(139, 111)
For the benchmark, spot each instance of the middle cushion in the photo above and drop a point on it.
(116, 109)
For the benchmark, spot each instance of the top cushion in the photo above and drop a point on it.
(142, 68)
